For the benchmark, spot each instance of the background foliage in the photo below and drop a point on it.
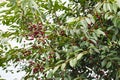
(62, 40)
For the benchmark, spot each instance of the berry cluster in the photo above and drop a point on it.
(36, 31)
(27, 52)
(36, 67)
(49, 57)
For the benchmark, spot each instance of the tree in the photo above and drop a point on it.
(73, 40)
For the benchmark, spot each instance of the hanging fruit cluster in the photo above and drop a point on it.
(36, 67)
(36, 31)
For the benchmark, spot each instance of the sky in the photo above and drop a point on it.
(9, 75)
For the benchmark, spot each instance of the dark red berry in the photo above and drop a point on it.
(30, 28)
(49, 57)
(41, 69)
(101, 72)
(35, 70)
(96, 76)
(34, 26)
(42, 33)
(31, 63)
(44, 59)
(36, 32)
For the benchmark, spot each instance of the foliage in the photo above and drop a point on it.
(73, 40)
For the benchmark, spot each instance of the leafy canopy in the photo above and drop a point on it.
(62, 40)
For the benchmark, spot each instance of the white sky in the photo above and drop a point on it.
(9, 75)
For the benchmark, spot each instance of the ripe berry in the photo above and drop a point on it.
(35, 70)
(42, 33)
(31, 63)
(96, 76)
(30, 28)
(49, 57)
(36, 32)
(43, 59)
(101, 72)
(31, 37)
(34, 26)
(41, 69)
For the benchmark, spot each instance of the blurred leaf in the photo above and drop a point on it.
(103, 63)
(55, 69)
(73, 62)
(63, 66)
(108, 65)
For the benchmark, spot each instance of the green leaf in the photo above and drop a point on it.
(63, 66)
(103, 63)
(109, 5)
(98, 32)
(79, 56)
(105, 7)
(50, 74)
(2, 4)
(88, 20)
(91, 18)
(108, 65)
(115, 7)
(55, 69)
(96, 50)
(118, 2)
(73, 62)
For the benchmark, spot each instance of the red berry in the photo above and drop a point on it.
(30, 28)
(35, 70)
(42, 33)
(101, 72)
(44, 59)
(46, 36)
(31, 37)
(49, 57)
(31, 63)
(38, 65)
(41, 69)
(96, 76)
(34, 26)
(36, 32)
